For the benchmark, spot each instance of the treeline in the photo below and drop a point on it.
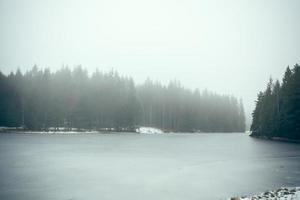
(277, 111)
(39, 99)
(173, 107)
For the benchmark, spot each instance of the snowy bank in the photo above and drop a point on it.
(279, 194)
(149, 130)
(64, 130)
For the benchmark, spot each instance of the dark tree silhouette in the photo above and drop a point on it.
(277, 111)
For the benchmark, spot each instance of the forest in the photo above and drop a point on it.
(277, 111)
(39, 99)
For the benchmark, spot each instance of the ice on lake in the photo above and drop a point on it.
(140, 166)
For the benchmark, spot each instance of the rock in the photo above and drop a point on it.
(286, 193)
(279, 194)
(293, 190)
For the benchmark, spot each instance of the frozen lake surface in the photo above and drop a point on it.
(147, 167)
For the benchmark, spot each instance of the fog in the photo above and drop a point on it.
(229, 47)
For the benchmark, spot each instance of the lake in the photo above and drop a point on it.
(148, 167)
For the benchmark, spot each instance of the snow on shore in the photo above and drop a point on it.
(51, 130)
(149, 130)
(279, 194)
(66, 130)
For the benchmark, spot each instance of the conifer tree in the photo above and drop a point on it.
(277, 111)
(70, 98)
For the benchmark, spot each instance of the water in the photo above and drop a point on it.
(148, 167)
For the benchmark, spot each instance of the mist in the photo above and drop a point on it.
(153, 100)
(230, 47)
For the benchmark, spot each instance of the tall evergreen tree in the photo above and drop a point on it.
(277, 111)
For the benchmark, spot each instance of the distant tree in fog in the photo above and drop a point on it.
(40, 99)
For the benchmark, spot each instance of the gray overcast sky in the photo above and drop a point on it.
(227, 46)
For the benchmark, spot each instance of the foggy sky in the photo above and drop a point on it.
(230, 47)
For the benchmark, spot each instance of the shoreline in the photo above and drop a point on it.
(283, 193)
(63, 130)
(279, 139)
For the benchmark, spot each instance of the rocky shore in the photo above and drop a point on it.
(279, 194)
